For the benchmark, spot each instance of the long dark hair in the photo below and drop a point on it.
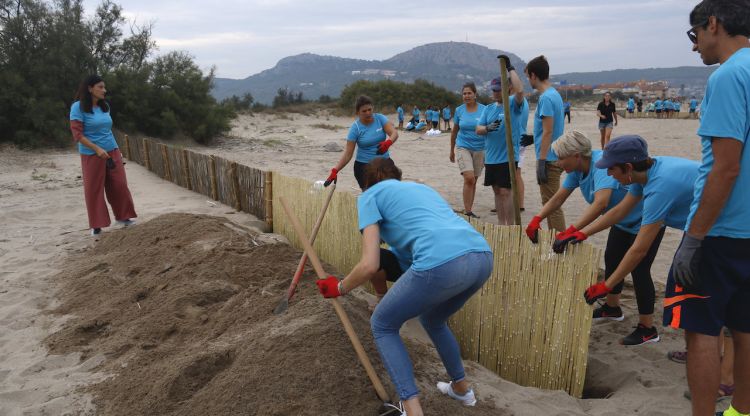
(84, 96)
(604, 100)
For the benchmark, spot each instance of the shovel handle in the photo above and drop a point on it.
(313, 235)
(363, 359)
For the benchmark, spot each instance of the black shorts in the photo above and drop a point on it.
(497, 175)
(692, 110)
(722, 299)
(434, 124)
(359, 174)
(389, 263)
(658, 111)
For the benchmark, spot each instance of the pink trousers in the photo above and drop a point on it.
(98, 181)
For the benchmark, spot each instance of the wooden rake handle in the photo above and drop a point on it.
(313, 234)
(363, 359)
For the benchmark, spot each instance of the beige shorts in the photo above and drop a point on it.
(470, 160)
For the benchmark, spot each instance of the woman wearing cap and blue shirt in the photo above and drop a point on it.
(664, 184)
(372, 134)
(492, 125)
(446, 261)
(602, 192)
(466, 146)
(101, 160)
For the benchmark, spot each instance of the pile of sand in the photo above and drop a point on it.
(181, 307)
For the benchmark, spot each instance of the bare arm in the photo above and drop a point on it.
(347, 156)
(593, 211)
(718, 186)
(369, 263)
(515, 81)
(454, 134)
(635, 253)
(614, 215)
(555, 202)
(482, 130)
(391, 132)
(547, 125)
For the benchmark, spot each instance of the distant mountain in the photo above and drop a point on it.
(448, 64)
(690, 76)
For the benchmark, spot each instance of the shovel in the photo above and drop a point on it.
(284, 302)
(363, 359)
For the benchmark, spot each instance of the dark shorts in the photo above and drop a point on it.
(630, 110)
(658, 111)
(359, 174)
(692, 110)
(723, 298)
(497, 175)
(446, 119)
(435, 124)
(389, 263)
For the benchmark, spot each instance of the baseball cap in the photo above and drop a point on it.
(624, 149)
(496, 84)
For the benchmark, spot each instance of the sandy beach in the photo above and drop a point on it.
(43, 236)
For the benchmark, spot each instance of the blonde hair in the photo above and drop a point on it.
(571, 143)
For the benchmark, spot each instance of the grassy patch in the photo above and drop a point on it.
(327, 126)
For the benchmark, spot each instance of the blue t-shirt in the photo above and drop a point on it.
(669, 191)
(523, 121)
(427, 115)
(725, 113)
(415, 220)
(677, 105)
(693, 104)
(658, 105)
(367, 138)
(596, 180)
(631, 104)
(495, 147)
(566, 106)
(667, 105)
(97, 127)
(446, 113)
(467, 128)
(400, 112)
(435, 115)
(415, 113)
(550, 105)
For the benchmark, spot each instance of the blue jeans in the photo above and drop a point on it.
(433, 295)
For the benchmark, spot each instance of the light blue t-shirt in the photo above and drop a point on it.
(446, 113)
(496, 147)
(631, 104)
(400, 112)
(596, 180)
(97, 127)
(667, 105)
(550, 105)
(669, 191)
(367, 138)
(416, 220)
(693, 104)
(725, 112)
(467, 128)
(523, 121)
(658, 105)
(415, 113)
(435, 116)
(427, 115)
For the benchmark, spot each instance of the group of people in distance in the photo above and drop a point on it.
(631, 193)
(662, 108)
(431, 120)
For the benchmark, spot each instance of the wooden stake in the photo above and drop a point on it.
(146, 156)
(167, 165)
(212, 173)
(379, 389)
(235, 186)
(186, 169)
(509, 142)
(127, 147)
(268, 196)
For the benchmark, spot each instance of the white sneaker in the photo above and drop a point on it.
(126, 223)
(467, 399)
(393, 410)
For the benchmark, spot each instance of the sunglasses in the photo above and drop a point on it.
(691, 33)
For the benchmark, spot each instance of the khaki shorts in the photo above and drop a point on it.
(470, 160)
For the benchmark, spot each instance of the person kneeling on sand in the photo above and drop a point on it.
(665, 185)
(445, 260)
(603, 193)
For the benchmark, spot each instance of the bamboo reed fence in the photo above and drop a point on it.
(529, 323)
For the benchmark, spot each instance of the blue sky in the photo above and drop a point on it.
(244, 37)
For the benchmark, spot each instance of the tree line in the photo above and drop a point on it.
(47, 48)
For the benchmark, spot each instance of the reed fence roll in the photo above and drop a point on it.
(200, 172)
(252, 187)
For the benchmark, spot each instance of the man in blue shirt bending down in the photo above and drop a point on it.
(709, 283)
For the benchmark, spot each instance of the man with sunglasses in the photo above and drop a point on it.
(709, 284)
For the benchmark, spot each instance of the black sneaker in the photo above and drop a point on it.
(641, 335)
(608, 313)
(471, 214)
(96, 231)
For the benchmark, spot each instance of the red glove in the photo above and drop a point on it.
(328, 287)
(532, 230)
(570, 230)
(331, 177)
(383, 146)
(595, 292)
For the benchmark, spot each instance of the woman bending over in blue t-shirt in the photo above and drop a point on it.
(445, 261)
(372, 134)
